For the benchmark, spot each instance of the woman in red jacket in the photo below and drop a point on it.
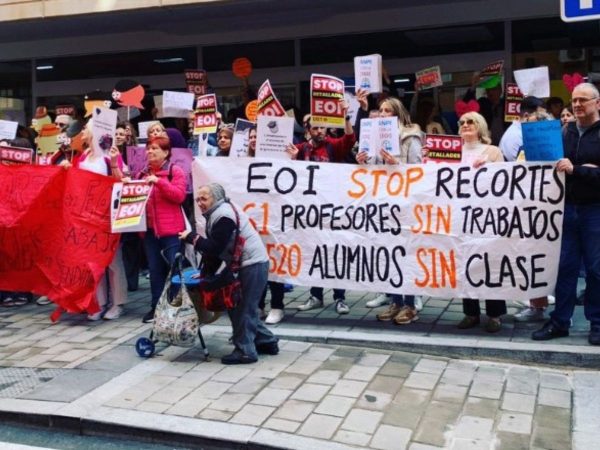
(163, 215)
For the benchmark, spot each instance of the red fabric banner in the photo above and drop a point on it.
(55, 237)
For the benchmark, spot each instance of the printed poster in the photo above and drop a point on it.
(241, 138)
(273, 135)
(104, 126)
(429, 78)
(367, 73)
(128, 207)
(326, 95)
(268, 104)
(379, 134)
(205, 117)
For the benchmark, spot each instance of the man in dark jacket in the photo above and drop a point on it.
(581, 225)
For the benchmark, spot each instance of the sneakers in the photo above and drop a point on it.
(148, 317)
(389, 314)
(406, 316)
(530, 315)
(341, 307)
(262, 315)
(311, 303)
(95, 317)
(380, 300)
(43, 300)
(114, 312)
(418, 303)
(551, 300)
(275, 316)
(468, 322)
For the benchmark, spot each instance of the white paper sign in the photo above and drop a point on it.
(534, 81)
(379, 134)
(441, 230)
(367, 73)
(241, 137)
(177, 104)
(104, 125)
(158, 104)
(353, 106)
(143, 128)
(273, 135)
(8, 129)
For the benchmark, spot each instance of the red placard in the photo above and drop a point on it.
(268, 104)
(196, 81)
(492, 69)
(15, 155)
(443, 148)
(512, 102)
(326, 94)
(68, 110)
(205, 117)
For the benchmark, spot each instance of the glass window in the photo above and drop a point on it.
(261, 54)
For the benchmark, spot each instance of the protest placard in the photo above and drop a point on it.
(8, 129)
(177, 104)
(535, 81)
(15, 155)
(429, 78)
(379, 134)
(542, 140)
(353, 105)
(128, 206)
(196, 81)
(158, 102)
(137, 160)
(268, 104)
(251, 110)
(241, 136)
(443, 148)
(491, 70)
(326, 95)
(273, 134)
(440, 230)
(367, 73)
(143, 129)
(205, 116)
(103, 129)
(512, 102)
(68, 110)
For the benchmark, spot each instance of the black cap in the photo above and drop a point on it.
(530, 104)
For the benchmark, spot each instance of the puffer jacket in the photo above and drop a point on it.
(583, 186)
(163, 211)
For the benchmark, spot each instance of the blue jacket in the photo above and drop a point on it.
(583, 186)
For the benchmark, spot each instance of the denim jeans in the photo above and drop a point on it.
(403, 300)
(277, 290)
(248, 330)
(338, 294)
(580, 239)
(157, 265)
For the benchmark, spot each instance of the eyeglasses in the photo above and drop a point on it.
(467, 122)
(582, 100)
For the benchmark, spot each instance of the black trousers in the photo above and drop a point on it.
(277, 291)
(493, 308)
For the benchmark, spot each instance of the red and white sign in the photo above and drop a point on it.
(492, 69)
(131, 210)
(429, 78)
(205, 117)
(326, 95)
(268, 105)
(196, 81)
(15, 155)
(443, 148)
(512, 104)
(68, 110)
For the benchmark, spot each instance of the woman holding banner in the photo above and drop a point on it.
(476, 152)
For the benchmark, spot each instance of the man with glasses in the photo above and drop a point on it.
(581, 225)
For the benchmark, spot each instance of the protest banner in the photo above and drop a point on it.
(367, 73)
(241, 135)
(443, 148)
(104, 125)
(55, 237)
(177, 104)
(205, 117)
(8, 129)
(196, 81)
(128, 206)
(15, 155)
(68, 110)
(137, 160)
(542, 140)
(441, 230)
(268, 104)
(379, 134)
(326, 95)
(273, 134)
(429, 78)
(512, 102)
(535, 81)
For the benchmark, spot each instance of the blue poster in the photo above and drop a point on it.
(542, 140)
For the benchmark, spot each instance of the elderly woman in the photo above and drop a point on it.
(477, 151)
(164, 215)
(250, 336)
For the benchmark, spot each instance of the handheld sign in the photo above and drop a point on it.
(241, 67)
(326, 95)
(367, 73)
(103, 130)
(273, 135)
(543, 140)
(492, 69)
(8, 129)
(241, 138)
(443, 148)
(205, 118)
(534, 81)
(512, 104)
(196, 81)
(251, 110)
(177, 104)
(429, 78)
(129, 93)
(128, 206)
(15, 155)
(68, 110)
(268, 104)
(379, 134)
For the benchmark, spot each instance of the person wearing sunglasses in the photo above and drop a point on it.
(476, 152)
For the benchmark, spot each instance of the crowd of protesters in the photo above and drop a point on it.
(487, 139)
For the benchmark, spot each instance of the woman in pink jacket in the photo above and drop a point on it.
(163, 215)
